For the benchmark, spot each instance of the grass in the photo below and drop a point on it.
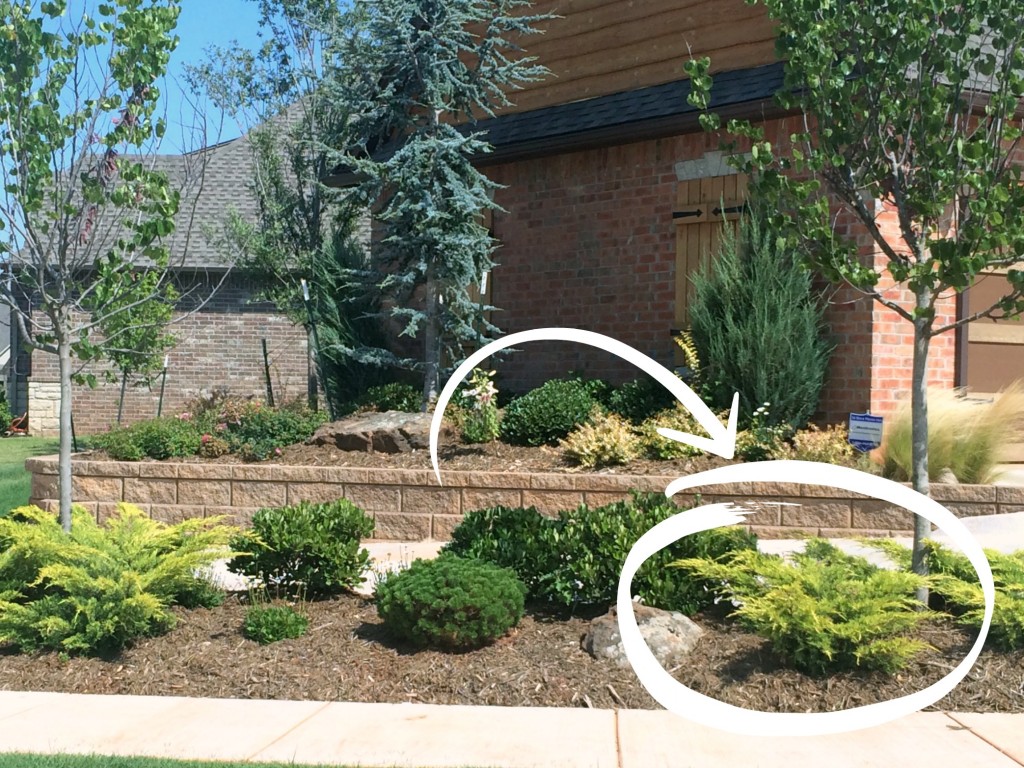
(102, 761)
(15, 482)
(964, 436)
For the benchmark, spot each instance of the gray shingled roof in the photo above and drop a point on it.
(580, 119)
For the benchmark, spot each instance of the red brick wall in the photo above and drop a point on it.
(588, 242)
(218, 348)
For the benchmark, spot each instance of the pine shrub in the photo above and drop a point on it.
(547, 414)
(606, 439)
(96, 589)
(309, 548)
(757, 326)
(451, 603)
(825, 610)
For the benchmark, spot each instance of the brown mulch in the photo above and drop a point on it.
(490, 457)
(348, 656)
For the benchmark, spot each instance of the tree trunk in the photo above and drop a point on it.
(64, 462)
(919, 440)
(432, 344)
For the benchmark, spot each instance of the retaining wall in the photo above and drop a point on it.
(409, 505)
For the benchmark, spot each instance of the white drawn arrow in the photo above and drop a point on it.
(722, 440)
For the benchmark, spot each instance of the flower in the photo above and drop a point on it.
(206, 438)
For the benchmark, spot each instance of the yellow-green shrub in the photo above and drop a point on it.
(99, 587)
(954, 579)
(829, 446)
(658, 447)
(964, 436)
(604, 440)
(824, 610)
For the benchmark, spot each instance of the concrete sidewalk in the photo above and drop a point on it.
(424, 736)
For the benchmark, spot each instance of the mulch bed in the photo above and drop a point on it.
(348, 656)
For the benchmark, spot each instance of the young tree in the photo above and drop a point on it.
(84, 211)
(408, 71)
(914, 107)
(305, 230)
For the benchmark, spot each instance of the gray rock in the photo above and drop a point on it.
(390, 432)
(947, 476)
(670, 636)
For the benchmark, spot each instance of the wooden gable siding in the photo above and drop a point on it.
(600, 47)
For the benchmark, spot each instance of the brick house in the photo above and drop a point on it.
(219, 344)
(604, 166)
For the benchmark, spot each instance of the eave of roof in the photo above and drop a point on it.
(645, 113)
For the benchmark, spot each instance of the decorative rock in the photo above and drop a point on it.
(669, 635)
(947, 476)
(390, 432)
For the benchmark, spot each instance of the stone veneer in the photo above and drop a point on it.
(409, 505)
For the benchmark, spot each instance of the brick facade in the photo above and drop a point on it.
(219, 347)
(588, 241)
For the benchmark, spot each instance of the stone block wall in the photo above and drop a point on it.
(409, 505)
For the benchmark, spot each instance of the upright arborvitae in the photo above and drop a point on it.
(413, 74)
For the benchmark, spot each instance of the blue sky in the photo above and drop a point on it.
(203, 23)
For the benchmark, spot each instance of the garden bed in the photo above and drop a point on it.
(348, 656)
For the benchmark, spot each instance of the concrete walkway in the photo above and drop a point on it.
(423, 736)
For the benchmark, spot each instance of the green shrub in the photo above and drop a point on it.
(310, 548)
(548, 413)
(823, 611)
(955, 582)
(576, 558)
(606, 439)
(270, 623)
(6, 417)
(757, 326)
(451, 603)
(121, 444)
(99, 587)
(396, 396)
(964, 436)
(639, 400)
(511, 537)
(658, 447)
(764, 438)
(201, 594)
(256, 432)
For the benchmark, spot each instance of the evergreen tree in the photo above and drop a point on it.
(758, 327)
(409, 71)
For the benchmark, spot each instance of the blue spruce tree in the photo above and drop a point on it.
(414, 76)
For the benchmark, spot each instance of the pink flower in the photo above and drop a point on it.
(205, 439)
(277, 451)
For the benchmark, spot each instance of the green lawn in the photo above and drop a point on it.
(101, 761)
(15, 482)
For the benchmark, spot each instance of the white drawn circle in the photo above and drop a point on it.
(687, 703)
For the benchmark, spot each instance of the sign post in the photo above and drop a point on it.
(865, 431)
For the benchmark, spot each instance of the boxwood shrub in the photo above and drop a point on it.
(575, 559)
(547, 414)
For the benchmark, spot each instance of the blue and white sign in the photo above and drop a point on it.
(865, 431)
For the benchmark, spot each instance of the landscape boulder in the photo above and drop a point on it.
(389, 432)
(669, 635)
